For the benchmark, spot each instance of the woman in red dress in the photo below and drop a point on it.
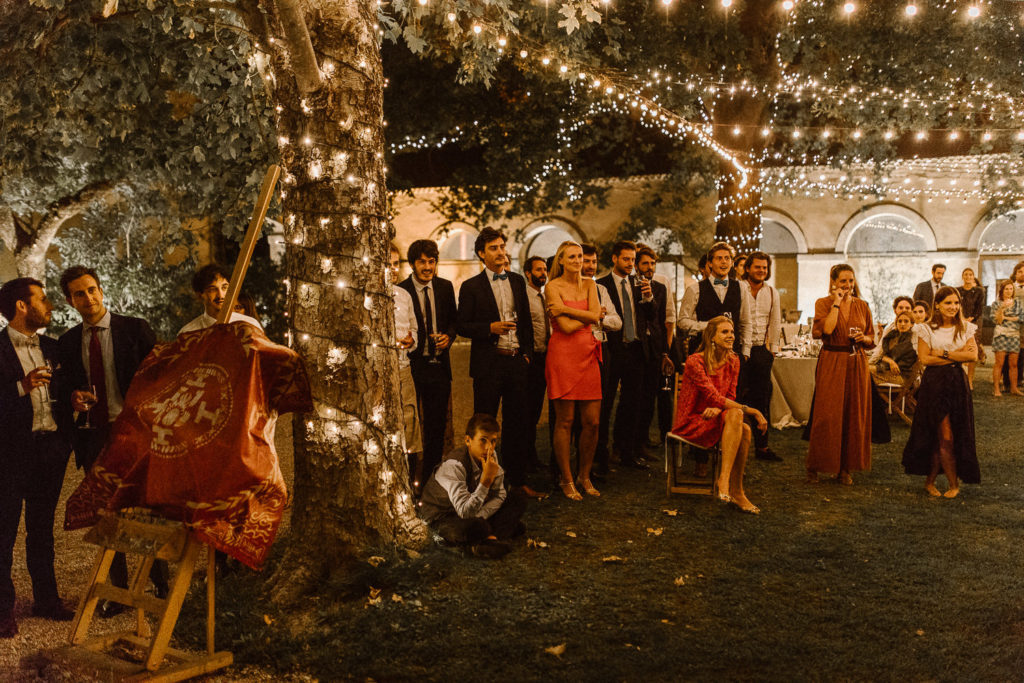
(840, 431)
(707, 411)
(573, 370)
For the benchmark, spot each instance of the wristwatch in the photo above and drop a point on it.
(945, 354)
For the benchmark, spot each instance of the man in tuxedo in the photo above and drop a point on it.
(536, 382)
(925, 291)
(98, 359)
(33, 451)
(433, 300)
(611, 322)
(656, 338)
(634, 304)
(717, 294)
(494, 312)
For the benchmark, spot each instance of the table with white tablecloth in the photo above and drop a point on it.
(792, 391)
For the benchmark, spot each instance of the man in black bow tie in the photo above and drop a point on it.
(33, 451)
(713, 296)
(494, 312)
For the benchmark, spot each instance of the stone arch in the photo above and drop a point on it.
(885, 209)
(446, 236)
(546, 232)
(789, 223)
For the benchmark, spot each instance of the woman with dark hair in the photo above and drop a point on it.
(898, 353)
(942, 434)
(707, 411)
(972, 301)
(840, 429)
(1007, 312)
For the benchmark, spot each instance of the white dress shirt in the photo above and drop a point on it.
(31, 357)
(405, 323)
(420, 288)
(629, 288)
(203, 321)
(539, 314)
(502, 290)
(612, 320)
(115, 401)
(765, 316)
(670, 298)
(687, 321)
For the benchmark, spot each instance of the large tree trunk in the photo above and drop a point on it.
(739, 212)
(351, 477)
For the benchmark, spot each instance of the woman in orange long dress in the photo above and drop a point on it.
(573, 369)
(840, 433)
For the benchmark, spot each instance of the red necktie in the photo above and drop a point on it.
(100, 413)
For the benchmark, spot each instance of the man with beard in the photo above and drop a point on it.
(657, 340)
(536, 271)
(210, 284)
(760, 344)
(405, 339)
(33, 451)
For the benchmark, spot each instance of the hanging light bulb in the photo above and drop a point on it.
(787, 5)
(849, 7)
(974, 11)
(911, 10)
(727, 3)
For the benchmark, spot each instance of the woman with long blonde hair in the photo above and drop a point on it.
(840, 430)
(573, 370)
(707, 412)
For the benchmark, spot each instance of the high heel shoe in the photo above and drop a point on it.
(570, 491)
(587, 487)
(721, 495)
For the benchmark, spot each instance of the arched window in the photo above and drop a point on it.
(776, 239)
(541, 238)
(457, 245)
(1000, 248)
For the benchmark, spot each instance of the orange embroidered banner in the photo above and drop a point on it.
(195, 441)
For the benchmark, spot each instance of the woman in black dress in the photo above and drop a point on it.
(942, 434)
(972, 302)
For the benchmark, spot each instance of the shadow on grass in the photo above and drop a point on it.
(871, 582)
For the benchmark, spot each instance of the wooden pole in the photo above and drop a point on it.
(252, 235)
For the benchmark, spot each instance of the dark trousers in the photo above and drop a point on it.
(625, 376)
(433, 389)
(33, 476)
(756, 386)
(650, 389)
(536, 390)
(504, 384)
(503, 524)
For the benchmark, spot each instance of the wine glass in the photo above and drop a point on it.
(48, 366)
(88, 397)
(514, 319)
(432, 349)
(854, 331)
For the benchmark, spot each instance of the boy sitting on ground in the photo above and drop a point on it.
(465, 501)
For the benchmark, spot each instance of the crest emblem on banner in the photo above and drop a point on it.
(191, 414)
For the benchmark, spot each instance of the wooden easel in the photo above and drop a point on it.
(136, 533)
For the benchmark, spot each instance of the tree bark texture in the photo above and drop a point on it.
(351, 491)
(739, 212)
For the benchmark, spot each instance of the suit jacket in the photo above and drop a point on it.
(647, 316)
(478, 309)
(16, 411)
(923, 292)
(132, 338)
(445, 313)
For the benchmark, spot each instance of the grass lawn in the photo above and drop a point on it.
(869, 582)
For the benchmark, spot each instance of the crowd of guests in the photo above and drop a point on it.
(59, 395)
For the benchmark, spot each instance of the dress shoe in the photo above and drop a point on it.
(767, 455)
(108, 609)
(160, 591)
(57, 611)
(490, 549)
(8, 625)
(633, 463)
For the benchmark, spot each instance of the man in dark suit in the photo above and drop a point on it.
(494, 312)
(33, 450)
(634, 303)
(654, 334)
(98, 359)
(433, 300)
(925, 291)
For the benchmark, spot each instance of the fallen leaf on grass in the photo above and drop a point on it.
(267, 619)
(671, 513)
(530, 543)
(556, 650)
(920, 631)
(374, 597)
(613, 559)
(413, 555)
(570, 534)
(654, 532)
(374, 592)
(680, 581)
(376, 560)
(666, 621)
(395, 597)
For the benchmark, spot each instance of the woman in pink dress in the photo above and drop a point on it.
(707, 412)
(573, 370)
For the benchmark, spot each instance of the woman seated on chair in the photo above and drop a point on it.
(707, 412)
(898, 352)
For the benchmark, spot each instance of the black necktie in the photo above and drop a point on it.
(428, 322)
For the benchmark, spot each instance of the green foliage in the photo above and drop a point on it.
(158, 95)
(144, 271)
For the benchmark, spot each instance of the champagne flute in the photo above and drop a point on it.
(432, 349)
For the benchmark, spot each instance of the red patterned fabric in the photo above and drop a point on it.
(195, 440)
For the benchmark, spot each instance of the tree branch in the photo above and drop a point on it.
(299, 46)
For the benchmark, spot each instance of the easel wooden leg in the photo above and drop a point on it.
(176, 596)
(87, 604)
(138, 587)
(211, 575)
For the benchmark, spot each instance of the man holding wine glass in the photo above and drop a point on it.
(33, 451)
(98, 359)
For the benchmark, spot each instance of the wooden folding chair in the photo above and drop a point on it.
(107, 656)
(677, 482)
